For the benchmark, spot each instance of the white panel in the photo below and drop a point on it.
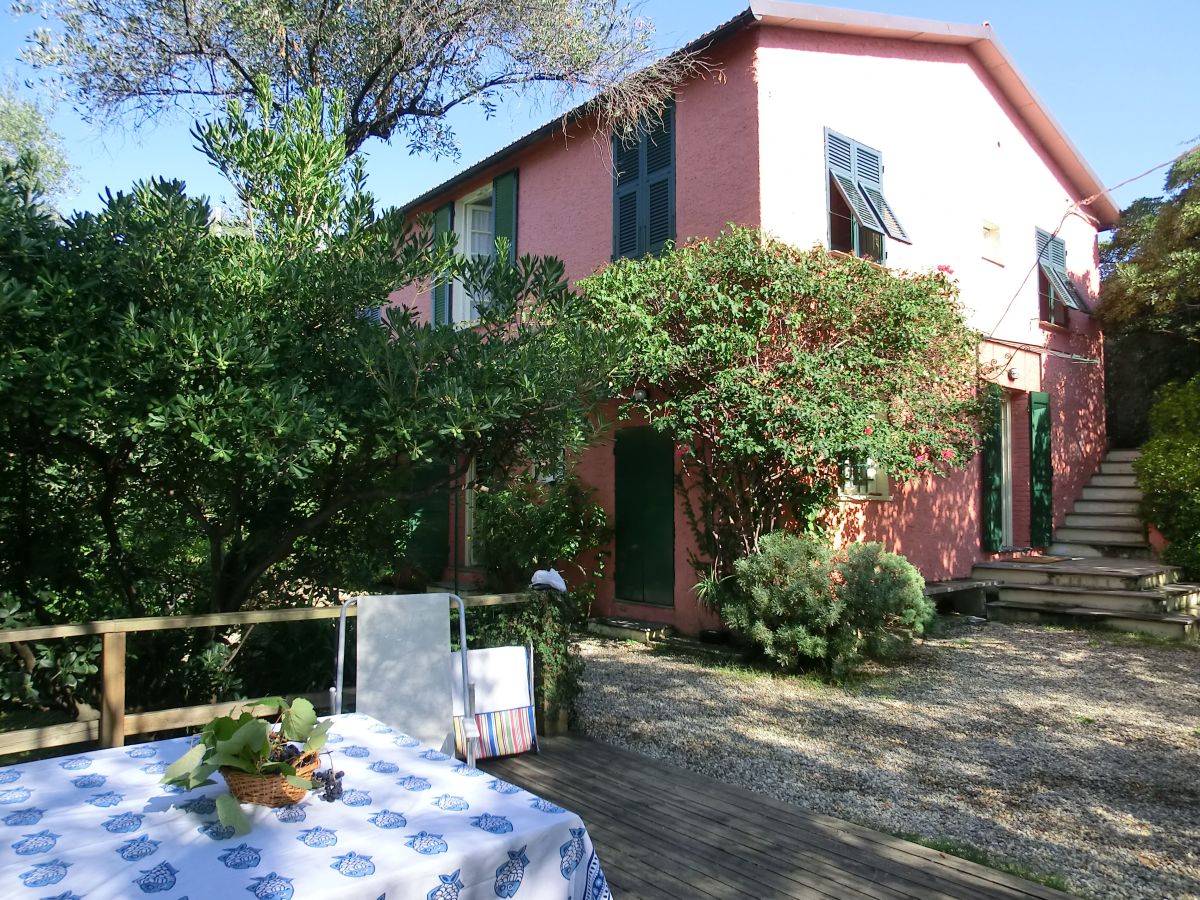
(403, 645)
(500, 676)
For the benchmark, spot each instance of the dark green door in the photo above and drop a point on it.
(645, 516)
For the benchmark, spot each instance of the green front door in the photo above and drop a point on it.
(645, 516)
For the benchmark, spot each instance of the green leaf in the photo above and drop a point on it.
(317, 739)
(275, 703)
(251, 737)
(229, 811)
(304, 783)
(185, 764)
(298, 722)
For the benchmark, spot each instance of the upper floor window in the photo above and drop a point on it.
(477, 220)
(859, 214)
(644, 188)
(1056, 293)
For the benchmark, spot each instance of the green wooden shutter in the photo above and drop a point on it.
(659, 201)
(504, 210)
(443, 223)
(840, 160)
(627, 183)
(992, 459)
(868, 178)
(1052, 257)
(1041, 472)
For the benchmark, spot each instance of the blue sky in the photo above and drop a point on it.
(1120, 77)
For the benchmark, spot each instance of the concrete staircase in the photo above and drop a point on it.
(1098, 571)
(1105, 520)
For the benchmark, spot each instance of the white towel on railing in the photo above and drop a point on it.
(500, 676)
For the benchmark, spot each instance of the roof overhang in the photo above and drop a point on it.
(979, 39)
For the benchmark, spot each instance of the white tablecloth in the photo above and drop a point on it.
(413, 824)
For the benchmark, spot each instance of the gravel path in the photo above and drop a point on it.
(1064, 751)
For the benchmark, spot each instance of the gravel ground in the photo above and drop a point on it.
(1067, 752)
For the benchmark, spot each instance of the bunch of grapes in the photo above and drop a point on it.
(329, 783)
(284, 752)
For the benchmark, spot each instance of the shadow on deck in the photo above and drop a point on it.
(663, 832)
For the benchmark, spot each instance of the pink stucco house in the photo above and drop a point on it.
(913, 142)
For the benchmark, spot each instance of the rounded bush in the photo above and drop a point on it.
(800, 605)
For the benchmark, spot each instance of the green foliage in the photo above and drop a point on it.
(27, 138)
(1168, 472)
(782, 601)
(208, 412)
(800, 605)
(1151, 266)
(57, 673)
(548, 620)
(770, 366)
(406, 65)
(883, 602)
(531, 524)
(251, 745)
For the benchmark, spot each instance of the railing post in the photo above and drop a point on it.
(112, 690)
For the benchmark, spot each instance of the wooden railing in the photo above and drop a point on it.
(115, 723)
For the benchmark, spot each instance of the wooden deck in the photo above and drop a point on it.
(664, 832)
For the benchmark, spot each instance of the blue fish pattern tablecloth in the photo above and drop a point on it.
(412, 824)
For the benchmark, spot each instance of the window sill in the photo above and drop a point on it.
(862, 498)
(1054, 329)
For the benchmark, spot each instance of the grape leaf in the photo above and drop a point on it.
(298, 721)
(229, 811)
(184, 764)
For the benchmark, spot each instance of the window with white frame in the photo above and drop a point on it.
(863, 480)
(477, 239)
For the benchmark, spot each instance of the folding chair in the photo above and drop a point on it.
(403, 648)
(502, 697)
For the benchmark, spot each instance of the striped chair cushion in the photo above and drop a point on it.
(501, 733)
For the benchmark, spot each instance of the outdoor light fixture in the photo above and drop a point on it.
(640, 395)
(1013, 374)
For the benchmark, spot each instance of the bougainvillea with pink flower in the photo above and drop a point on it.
(775, 365)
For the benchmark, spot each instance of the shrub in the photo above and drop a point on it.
(783, 602)
(800, 605)
(547, 620)
(1169, 473)
(531, 525)
(883, 601)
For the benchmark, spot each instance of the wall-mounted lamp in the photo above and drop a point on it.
(1014, 374)
(640, 395)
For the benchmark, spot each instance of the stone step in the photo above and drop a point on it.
(1171, 626)
(1106, 507)
(1091, 534)
(1127, 494)
(1116, 481)
(1102, 574)
(1116, 468)
(1171, 598)
(1101, 550)
(1122, 455)
(1105, 520)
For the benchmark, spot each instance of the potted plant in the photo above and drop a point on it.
(264, 763)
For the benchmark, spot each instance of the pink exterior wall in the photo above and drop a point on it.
(750, 150)
(955, 154)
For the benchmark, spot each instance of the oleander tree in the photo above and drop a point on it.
(402, 67)
(773, 367)
(199, 414)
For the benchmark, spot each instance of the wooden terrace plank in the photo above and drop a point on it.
(668, 832)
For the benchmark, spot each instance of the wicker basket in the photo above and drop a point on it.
(271, 790)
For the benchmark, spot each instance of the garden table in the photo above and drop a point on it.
(412, 824)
